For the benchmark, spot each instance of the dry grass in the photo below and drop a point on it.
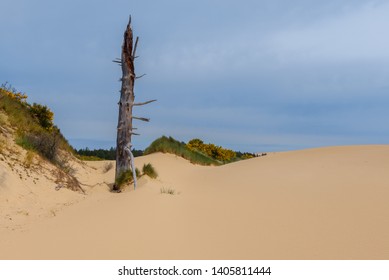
(2, 146)
(29, 158)
(168, 191)
(107, 167)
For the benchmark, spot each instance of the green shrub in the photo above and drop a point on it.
(172, 146)
(18, 113)
(247, 156)
(149, 170)
(213, 151)
(195, 144)
(43, 115)
(44, 143)
(126, 178)
(34, 124)
(196, 151)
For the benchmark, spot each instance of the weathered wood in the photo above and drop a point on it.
(127, 96)
(131, 156)
(144, 103)
(138, 77)
(124, 156)
(141, 119)
(136, 45)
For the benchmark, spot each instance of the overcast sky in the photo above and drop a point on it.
(250, 75)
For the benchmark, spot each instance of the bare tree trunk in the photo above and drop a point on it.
(127, 97)
(124, 157)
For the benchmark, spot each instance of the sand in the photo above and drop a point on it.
(324, 203)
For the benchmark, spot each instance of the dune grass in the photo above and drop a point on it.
(30, 134)
(126, 177)
(149, 170)
(168, 191)
(170, 145)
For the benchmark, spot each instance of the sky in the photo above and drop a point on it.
(249, 75)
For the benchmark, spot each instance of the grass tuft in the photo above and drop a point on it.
(149, 170)
(126, 178)
(168, 191)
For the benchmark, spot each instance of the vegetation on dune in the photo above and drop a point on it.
(168, 191)
(213, 151)
(43, 115)
(127, 177)
(170, 145)
(34, 125)
(241, 155)
(33, 129)
(217, 152)
(149, 170)
(196, 151)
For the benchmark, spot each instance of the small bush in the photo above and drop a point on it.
(213, 151)
(149, 170)
(43, 115)
(126, 178)
(172, 146)
(195, 144)
(34, 124)
(247, 156)
(44, 143)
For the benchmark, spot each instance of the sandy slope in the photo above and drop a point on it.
(327, 203)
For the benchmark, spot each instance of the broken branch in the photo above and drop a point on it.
(136, 44)
(138, 77)
(141, 119)
(144, 103)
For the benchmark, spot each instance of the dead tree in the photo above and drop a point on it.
(125, 129)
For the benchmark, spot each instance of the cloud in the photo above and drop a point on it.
(358, 35)
(234, 73)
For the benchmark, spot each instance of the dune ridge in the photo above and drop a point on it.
(323, 203)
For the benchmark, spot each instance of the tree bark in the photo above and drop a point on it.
(124, 158)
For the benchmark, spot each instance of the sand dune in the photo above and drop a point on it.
(326, 203)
